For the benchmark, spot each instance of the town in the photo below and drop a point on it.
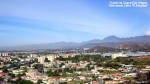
(74, 67)
(74, 41)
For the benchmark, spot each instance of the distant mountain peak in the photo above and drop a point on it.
(92, 41)
(111, 39)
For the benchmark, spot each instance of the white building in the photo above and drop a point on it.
(115, 55)
(50, 57)
(3, 54)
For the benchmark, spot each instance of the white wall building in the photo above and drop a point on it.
(3, 54)
(115, 55)
(50, 57)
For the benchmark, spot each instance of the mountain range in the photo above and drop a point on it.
(111, 42)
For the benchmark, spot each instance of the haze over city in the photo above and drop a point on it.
(74, 42)
(24, 22)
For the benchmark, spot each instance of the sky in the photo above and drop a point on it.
(24, 22)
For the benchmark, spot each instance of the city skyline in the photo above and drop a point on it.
(33, 21)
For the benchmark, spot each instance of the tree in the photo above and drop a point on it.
(46, 60)
(39, 81)
(4, 69)
(22, 81)
(11, 75)
(52, 73)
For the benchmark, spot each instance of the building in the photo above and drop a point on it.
(50, 57)
(115, 55)
(3, 54)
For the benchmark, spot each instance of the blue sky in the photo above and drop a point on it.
(25, 22)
